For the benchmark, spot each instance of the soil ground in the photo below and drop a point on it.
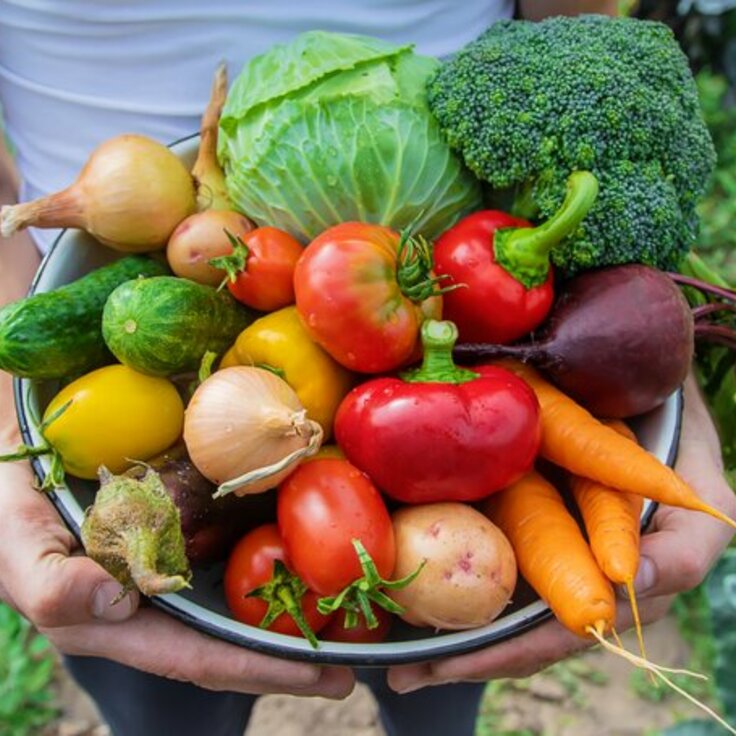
(591, 694)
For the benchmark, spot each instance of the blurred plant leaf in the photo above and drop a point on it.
(695, 728)
(721, 589)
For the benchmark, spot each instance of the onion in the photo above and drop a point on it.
(246, 430)
(207, 172)
(130, 195)
(202, 236)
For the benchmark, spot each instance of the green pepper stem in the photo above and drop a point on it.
(524, 252)
(438, 340)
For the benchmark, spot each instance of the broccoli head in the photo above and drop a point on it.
(528, 103)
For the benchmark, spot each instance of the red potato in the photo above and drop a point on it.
(470, 569)
(200, 237)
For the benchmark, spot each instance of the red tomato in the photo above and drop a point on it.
(266, 281)
(351, 292)
(494, 306)
(428, 441)
(251, 565)
(336, 631)
(322, 506)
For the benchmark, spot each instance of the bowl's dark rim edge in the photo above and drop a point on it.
(316, 656)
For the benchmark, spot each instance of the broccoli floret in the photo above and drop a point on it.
(528, 103)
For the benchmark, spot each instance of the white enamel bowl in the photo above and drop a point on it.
(203, 607)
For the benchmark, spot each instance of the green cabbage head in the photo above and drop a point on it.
(332, 128)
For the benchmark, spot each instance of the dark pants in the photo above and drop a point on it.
(137, 704)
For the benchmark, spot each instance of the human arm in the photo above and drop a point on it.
(67, 596)
(538, 9)
(677, 553)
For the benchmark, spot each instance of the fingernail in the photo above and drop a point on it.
(646, 576)
(107, 604)
(412, 687)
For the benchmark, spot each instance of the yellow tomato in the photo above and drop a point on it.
(115, 415)
(279, 341)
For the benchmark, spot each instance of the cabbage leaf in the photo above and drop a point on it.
(334, 128)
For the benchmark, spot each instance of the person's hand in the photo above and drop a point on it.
(68, 598)
(676, 554)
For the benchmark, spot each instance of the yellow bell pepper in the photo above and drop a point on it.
(329, 452)
(279, 341)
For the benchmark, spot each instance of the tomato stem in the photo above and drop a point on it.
(415, 267)
(357, 596)
(283, 593)
(438, 340)
(234, 263)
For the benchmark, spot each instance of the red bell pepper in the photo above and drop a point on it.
(441, 433)
(503, 261)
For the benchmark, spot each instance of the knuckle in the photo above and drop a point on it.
(45, 607)
(174, 672)
(691, 570)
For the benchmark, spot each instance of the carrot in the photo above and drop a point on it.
(575, 440)
(552, 554)
(613, 522)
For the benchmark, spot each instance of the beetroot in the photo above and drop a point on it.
(618, 340)
(210, 526)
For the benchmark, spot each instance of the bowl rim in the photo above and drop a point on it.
(288, 647)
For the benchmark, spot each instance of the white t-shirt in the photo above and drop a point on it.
(76, 72)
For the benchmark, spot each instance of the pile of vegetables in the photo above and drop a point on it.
(338, 279)
(528, 103)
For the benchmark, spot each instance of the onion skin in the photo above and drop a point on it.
(244, 418)
(470, 573)
(200, 237)
(207, 172)
(130, 195)
(619, 341)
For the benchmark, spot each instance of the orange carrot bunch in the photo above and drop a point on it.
(610, 475)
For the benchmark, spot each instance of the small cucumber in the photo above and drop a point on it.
(58, 333)
(164, 325)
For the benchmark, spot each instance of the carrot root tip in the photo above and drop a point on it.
(659, 672)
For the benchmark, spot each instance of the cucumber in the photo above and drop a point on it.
(164, 325)
(58, 334)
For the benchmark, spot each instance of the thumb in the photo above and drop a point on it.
(678, 555)
(76, 590)
(684, 544)
(63, 591)
(41, 577)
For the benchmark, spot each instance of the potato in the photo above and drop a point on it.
(200, 237)
(470, 571)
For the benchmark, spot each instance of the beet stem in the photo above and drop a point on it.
(728, 294)
(706, 309)
(716, 333)
(529, 353)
